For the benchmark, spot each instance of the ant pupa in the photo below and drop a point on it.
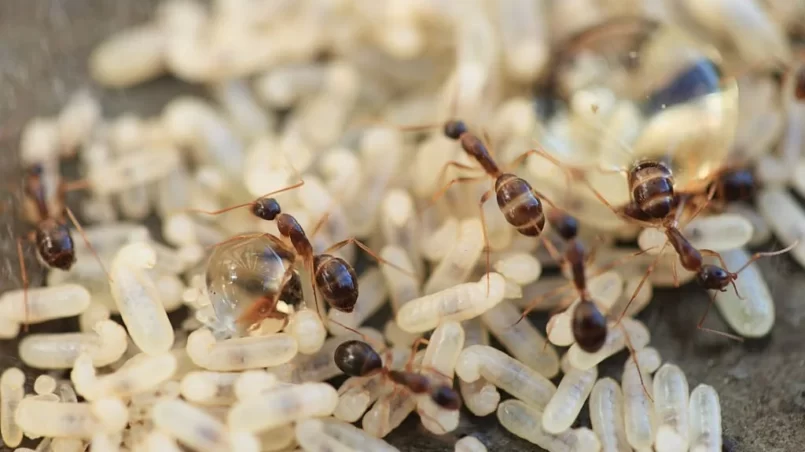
(359, 359)
(50, 234)
(709, 276)
(332, 277)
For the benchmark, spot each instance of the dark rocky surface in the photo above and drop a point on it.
(43, 49)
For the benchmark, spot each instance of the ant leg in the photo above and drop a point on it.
(709, 330)
(633, 353)
(459, 180)
(368, 251)
(640, 285)
(536, 301)
(487, 249)
(24, 276)
(676, 276)
(86, 241)
(618, 262)
(555, 254)
(757, 256)
(710, 194)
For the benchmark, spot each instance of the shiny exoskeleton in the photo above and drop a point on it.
(53, 240)
(799, 83)
(734, 184)
(652, 186)
(358, 359)
(517, 200)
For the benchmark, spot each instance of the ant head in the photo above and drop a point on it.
(565, 225)
(713, 277)
(357, 359)
(266, 208)
(446, 397)
(453, 129)
(738, 185)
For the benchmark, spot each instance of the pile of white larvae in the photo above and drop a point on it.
(150, 386)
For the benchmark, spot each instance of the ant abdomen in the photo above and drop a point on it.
(336, 281)
(652, 187)
(520, 205)
(736, 185)
(589, 326)
(55, 244)
(357, 359)
(713, 277)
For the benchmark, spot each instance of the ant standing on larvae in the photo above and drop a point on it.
(651, 184)
(359, 359)
(330, 275)
(53, 240)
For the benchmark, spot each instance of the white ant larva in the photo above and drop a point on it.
(751, 314)
(348, 437)
(522, 268)
(100, 442)
(357, 393)
(761, 232)
(106, 344)
(524, 38)
(444, 347)
(133, 170)
(460, 302)
(372, 296)
(159, 441)
(239, 353)
(277, 439)
(144, 374)
(401, 287)
(459, 262)
(71, 419)
(606, 415)
(77, 120)
(526, 422)
(719, 233)
(129, 57)
(671, 406)
(285, 85)
(506, 373)
(388, 413)
(236, 99)
(615, 342)
(306, 327)
(470, 444)
(640, 418)
(11, 393)
(565, 405)
(283, 404)
(199, 430)
(522, 339)
(786, 218)
(210, 388)
(44, 303)
(438, 243)
(480, 396)
(704, 415)
(138, 299)
(252, 382)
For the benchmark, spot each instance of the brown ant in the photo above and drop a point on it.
(359, 359)
(660, 195)
(54, 242)
(334, 277)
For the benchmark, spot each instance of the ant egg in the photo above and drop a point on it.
(521, 338)
(671, 406)
(565, 405)
(786, 218)
(459, 302)
(44, 384)
(282, 405)
(372, 296)
(243, 272)
(239, 353)
(506, 373)
(470, 444)
(345, 436)
(106, 344)
(606, 415)
(142, 375)
(522, 268)
(459, 262)
(752, 313)
(616, 341)
(640, 417)
(44, 303)
(197, 429)
(526, 422)
(11, 394)
(704, 414)
(306, 327)
(138, 299)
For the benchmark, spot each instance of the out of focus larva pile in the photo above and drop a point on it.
(313, 89)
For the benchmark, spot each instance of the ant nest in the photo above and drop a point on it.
(296, 167)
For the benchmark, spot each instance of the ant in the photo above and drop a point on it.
(653, 209)
(53, 240)
(359, 359)
(334, 277)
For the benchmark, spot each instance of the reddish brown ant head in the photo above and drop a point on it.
(357, 359)
(565, 225)
(737, 185)
(446, 397)
(266, 209)
(55, 244)
(453, 129)
(713, 277)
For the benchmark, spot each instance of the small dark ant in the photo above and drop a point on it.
(54, 242)
(359, 359)
(334, 277)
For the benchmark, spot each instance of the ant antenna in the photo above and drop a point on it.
(86, 241)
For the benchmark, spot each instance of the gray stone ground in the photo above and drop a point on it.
(43, 49)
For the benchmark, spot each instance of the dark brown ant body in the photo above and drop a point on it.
(358, 359)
